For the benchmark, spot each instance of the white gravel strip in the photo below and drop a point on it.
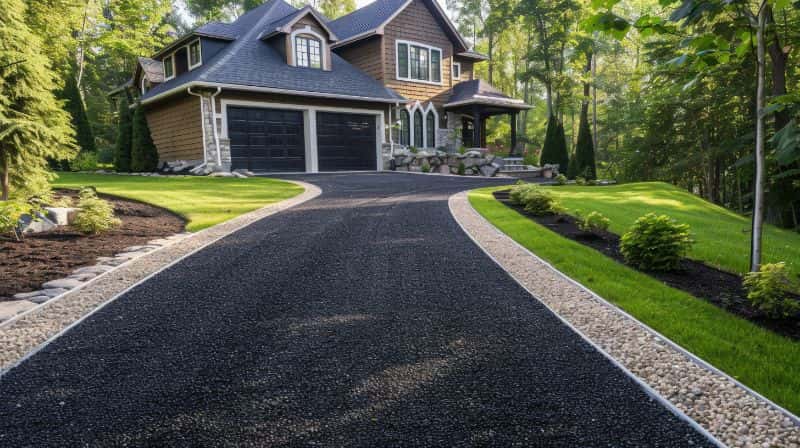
(27, 332)
(729, 411)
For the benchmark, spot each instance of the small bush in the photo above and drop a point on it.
(462, 149)
(769, 291)
(536, 200)
(655, 242)
(462, 169)
(580, 180)
(561, 179)
(10, 213)
(413, 149)
(594, 222)
(426, 168)
(96, 214)
(85, 161)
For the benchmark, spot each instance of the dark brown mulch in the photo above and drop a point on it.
(718, 287)
(46, 256)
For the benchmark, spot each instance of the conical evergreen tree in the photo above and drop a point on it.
(548, 150)
(555, 146)
(80, 122)
(122, 149)
(144, 156)
(34, 127)
(561, 152)
(584, 149)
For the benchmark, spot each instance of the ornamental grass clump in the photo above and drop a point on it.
(96, 215)
(594, 222)
(655, 243)
(770, 291)
(536, 200)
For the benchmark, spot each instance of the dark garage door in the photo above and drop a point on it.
(266, 139)
(346, 141)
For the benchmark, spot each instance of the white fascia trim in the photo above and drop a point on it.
(246, 88)
(189, 54)
(357, 37)
(408, 44)
(309, 122)
(319, 19)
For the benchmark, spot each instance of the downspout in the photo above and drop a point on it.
(214, 125)
(202, 125)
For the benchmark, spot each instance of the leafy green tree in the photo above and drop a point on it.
(122, 149)
(34, 127)
(144, 156)
(334, 9)
(80, 122)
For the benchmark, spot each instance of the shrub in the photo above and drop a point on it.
(594, 222)
(580, 180)
(96, 215)
(413, 149)
(10, 213)
(144, 156)
(462, 169)
(655, 242)
(85, 161)
(561, 179)
(426, 168)
(536, 200)
(462, 149)
(769, 290)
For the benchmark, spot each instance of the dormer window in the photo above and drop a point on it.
(169, 67)
(307, 52)
(195, 56)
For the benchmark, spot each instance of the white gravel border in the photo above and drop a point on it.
(27, 333)
(732, 413)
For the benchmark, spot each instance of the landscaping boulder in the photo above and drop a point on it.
(29, 224)
(489, 170)
(61, 216)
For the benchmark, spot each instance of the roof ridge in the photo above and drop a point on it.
(241, 41)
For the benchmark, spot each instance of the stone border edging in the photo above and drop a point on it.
(449, 175)
(27, 333)
(721, 406)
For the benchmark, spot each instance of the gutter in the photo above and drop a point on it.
(191, 84)
(202, 125)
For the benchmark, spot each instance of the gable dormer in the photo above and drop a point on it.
(303, 39)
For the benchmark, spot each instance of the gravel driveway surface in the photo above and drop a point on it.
(365, 317)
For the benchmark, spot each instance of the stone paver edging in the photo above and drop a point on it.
(28, 332)
(732, 413)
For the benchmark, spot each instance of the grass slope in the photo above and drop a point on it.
(203, 201)
(759, 358)
(723, 237)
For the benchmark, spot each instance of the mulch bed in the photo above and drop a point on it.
(46, 256)
(721, 288)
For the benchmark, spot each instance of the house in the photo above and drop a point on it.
(288, 90)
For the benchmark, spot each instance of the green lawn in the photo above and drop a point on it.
(723, 237)
(759, 358)
(203, 201)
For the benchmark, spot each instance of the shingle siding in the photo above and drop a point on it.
(366, 56)
(176, 128)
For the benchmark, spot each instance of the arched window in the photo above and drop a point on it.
(430, 130)
(418, 128)
(307, 52)
(405, 127)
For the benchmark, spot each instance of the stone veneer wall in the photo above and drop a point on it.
(209, 123)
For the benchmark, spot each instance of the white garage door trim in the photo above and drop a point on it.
(310, 126)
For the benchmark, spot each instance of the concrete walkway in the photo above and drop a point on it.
(365, 317)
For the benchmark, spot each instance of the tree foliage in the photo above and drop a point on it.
(144, 156)
(84, 136)
(122, 149)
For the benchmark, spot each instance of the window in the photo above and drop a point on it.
(430, 128)
(307, 52)
(456, 70)
(195, 58)
(169, 67)
(418, 128)
(405, 128)
(418, 62)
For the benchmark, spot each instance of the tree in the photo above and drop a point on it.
(122, 149)
(33, 124)
(144, 156)
(584, 149)
(334, 9)
(80, 122)
(555, 145)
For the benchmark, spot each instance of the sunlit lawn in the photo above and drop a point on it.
(722, 237)
(759, 358)
(203, 201)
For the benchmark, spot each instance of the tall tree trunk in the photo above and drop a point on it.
(4, 183)
(760, 159)
(594, 101)
(490, 43)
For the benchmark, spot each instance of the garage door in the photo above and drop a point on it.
(346, 141)
(266, 139)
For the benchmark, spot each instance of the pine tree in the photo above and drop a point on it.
(84, 136)
(122, 149)
(549, 143)
(584, 149)
(561, 152)
(555, 146)
(34, 127)
(144, 156)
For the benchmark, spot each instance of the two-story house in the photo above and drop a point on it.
(286, 89)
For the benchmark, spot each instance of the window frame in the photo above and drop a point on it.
(405, 127)
(171, 57)
(453, 70)
(308, 38)
(199, 54)
(429, 49)
(430, 131)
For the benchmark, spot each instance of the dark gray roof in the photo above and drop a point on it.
(153, 70)
(250, 62)
(280, 25)
(473, 55)
(365, 19)
(218, 30)
(478, 91)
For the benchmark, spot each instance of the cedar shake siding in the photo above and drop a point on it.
(416, 23)
(176, 128)
(366, 55)
(466, 70)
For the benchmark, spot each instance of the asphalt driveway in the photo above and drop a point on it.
(365, 317)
